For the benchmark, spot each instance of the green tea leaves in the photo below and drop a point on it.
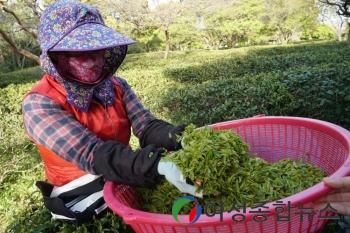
(221, 162)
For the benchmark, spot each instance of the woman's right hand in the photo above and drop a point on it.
(339, 198)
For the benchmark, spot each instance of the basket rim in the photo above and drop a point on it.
(130, 215)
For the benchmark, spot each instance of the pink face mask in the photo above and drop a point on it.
(84, 67)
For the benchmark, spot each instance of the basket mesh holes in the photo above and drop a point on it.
(274, 142)
(126, 195)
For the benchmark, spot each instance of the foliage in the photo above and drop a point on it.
(230, 25)
(187, 25)
(288, 18)
(337, 23)
(307, 82)
(342, 6)
(29, 75)
(13, 87)
(326, 87)
(185, 35)
(320, 31)
(10, 61)
(198, 86)
(149, 39)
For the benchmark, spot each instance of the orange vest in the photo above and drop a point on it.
(110, 123)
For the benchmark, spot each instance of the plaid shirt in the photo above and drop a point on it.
(49, 124)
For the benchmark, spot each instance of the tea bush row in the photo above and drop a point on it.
(298, 48)
(321, 91)
(253, 64)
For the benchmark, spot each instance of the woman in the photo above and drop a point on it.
(80, 116)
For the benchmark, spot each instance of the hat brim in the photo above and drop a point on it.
(91, 36)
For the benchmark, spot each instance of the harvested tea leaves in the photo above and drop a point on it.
(228, 173)
(210, 156)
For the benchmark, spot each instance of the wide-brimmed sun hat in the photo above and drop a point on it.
(91, 36)
(68, 25)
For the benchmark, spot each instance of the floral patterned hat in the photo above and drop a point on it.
(68, 25)
(73, 26)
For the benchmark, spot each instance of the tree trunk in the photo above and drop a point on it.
(167, 44)
(33, 34)
(2, 58)
(348, 40)
(23, 62)
(18, 50)
(339, 37)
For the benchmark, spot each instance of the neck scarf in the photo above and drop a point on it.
(80, 95)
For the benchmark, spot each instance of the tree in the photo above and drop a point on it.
(146, 15)
(164, 15)
(342, 9)
(288, 18)
(169, 13)
(185, 34)
(320, 31)
(342, 6)
(30, 14)
(249, 19)
(337, 22)
(160, 14)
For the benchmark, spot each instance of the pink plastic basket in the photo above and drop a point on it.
(323, 144)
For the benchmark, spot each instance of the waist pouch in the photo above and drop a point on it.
(77, 201)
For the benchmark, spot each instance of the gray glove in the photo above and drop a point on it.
(175, 177)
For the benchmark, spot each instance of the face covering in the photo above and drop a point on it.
(83, 67)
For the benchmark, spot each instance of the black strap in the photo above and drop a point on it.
(60, 206)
